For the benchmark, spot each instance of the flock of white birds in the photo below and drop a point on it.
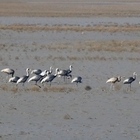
(41, 76)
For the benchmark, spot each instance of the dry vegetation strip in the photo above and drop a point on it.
(66, 9)
(101, 28)
(97, 45)
(33, 88)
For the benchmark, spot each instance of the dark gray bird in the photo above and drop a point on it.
(62, 73)
(77, 80)
(69, 71)
(37, 78)
(36, 71)
(24, 78)
(8, 71)
(49, 77)
(113, 80)
(130, 80)
(65, 73)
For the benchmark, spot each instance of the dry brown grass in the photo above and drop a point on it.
(95, 45)
(59, 88)
(100, 28)
(14, 89)
(24, 8)
(34, 88)
(4, 87)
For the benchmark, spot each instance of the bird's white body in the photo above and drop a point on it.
(8, 71)
(113, 80)
(14, 79)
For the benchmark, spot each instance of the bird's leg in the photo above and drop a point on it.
(111, 86)
(7, 77)
(64, 78)
(130, 87)
(37, 84)
(43, 84)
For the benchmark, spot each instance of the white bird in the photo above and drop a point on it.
(8, 71)
(24, 78)
(77, 80)
(113, 80)
(49, 77)
(36, 71)
(13, 79)
(130, 80)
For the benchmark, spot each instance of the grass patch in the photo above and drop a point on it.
(4, 87)
(34, 88)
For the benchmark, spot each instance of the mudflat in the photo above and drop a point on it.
(100, 39)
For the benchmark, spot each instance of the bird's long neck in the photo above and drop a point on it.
(119, 79)
(13, 74)
(27, 71)
(70, 68)
(56, 71)
(51, 69)
(134, 76)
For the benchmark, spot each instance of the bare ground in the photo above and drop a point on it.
(66, 111)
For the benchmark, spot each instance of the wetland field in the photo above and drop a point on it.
(100, 39)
